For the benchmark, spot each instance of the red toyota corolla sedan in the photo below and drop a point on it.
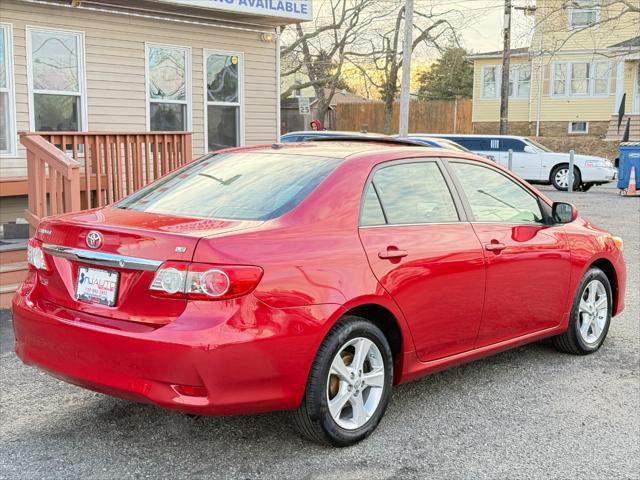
(311, 277)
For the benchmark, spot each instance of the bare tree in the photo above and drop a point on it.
(382, 66)
(319, 49)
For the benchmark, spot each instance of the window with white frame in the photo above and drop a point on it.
(583, 13)
(490, 81)
(581, 78)
(579, 84)
(56, 80)
(224, 100)
(578, 127)
(7, 110)
(168, 87)
(519, 81)
(601, 78)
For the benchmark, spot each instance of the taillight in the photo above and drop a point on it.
(203, 281)
(36, 257)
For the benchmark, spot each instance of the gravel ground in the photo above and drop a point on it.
(527, 413)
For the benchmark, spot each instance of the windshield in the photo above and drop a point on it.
(236, 186)
(537, 145)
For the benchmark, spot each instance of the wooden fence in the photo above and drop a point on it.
(104, 166)
(432, 116)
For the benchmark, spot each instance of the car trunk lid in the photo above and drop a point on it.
(132, 246)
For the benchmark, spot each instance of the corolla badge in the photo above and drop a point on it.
(94, 239)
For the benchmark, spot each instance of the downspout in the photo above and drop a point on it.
(278, 86)
(540, 73)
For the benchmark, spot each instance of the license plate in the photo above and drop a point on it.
(97, 286)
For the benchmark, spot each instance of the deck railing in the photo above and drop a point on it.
(69, 171)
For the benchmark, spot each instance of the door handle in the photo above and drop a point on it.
(392, 252)
(495, 247)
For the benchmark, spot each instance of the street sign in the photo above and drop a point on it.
(303, 106)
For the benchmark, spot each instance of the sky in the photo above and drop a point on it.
(484, 20)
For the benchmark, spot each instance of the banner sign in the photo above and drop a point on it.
(293, 9)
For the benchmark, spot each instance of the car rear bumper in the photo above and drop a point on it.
(255, 359)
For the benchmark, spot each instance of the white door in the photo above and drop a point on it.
(526, 164)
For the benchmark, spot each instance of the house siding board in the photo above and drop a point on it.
(552, 21)
(553, 108)
(553, 42)
(630, 69)
(485, 110)
(115, 70)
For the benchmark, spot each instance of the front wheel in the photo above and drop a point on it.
(560, 178)
(349, 385)
(590, 315)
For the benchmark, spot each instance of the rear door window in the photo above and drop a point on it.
(408, 193)
(235, 185)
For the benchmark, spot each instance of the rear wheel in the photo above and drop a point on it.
(560, 178)
(590, 315)
(349, 385)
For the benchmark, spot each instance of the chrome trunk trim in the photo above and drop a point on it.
(101, 258)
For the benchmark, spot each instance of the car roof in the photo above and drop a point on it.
(333, 132)
(344, 148)
(465, 135)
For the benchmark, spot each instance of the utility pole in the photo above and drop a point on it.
(407, 49)
(506, 62)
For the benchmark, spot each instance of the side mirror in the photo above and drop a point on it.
(529, 149)
(563, 212)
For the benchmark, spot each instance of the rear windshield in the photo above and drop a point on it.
(236, 186)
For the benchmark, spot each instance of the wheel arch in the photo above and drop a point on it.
(562, 164)
(386, 321)
(609, 270)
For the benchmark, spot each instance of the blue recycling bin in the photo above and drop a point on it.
(629, 157)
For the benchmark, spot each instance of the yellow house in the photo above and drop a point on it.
(582, 64)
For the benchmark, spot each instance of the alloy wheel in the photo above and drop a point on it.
(355, 383)
(593, 311)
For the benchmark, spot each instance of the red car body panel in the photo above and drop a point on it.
(444, 264)
(254, 353)
(537, 256)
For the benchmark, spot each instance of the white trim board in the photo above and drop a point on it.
(12, 139)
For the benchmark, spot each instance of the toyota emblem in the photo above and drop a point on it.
(94, 239)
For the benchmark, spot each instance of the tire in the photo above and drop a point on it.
(559, 173)
(314, 420)
(580, 339)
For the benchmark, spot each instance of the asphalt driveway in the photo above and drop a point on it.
(527, 413)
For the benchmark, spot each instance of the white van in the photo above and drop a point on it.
(536, 163)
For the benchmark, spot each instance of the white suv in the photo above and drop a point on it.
(536, 163)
